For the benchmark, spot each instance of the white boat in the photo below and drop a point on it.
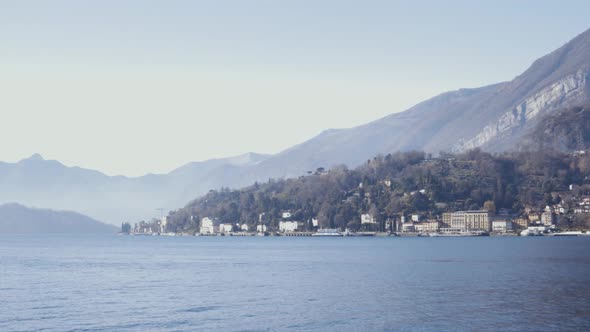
(536, 231)
(458, 234)
(327, 232)
(571, 233)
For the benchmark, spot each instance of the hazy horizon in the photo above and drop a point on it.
(136, 87)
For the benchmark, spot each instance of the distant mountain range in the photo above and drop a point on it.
(48, 183)
(495, 117)
(18, 219)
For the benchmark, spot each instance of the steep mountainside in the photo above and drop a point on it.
(18, 219)
(564, 130)
(458, 120)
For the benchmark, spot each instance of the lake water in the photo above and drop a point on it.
(136, 283)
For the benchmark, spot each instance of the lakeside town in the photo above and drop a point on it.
(451, 224)
(402, 194)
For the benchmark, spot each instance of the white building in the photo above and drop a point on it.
(261, 228)
(408, 227)
(286, 215)
(244, 227)
(315, 222)
(208, 227)
(163, 224)
(226, 228)
(288, 226)
(501, 226)
(367, 219)
(415, 217)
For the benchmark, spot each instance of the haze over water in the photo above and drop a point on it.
(137, 283)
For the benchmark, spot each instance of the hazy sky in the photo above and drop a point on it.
(130, 87)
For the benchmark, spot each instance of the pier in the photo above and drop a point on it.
(297, 234)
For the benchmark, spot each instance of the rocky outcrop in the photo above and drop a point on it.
(570, 90)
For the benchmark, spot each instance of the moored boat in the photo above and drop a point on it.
(459, 234)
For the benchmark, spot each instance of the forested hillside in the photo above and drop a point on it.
(565, 130)
(395, 184)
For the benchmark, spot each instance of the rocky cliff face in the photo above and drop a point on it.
(568, 91)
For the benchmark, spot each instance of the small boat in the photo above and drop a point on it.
(571, 233)
(458, 234)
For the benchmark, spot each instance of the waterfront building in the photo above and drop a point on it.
(289, 226)
(367, 219)
(427, 226)
(226, 228)
(520, 223)
(478, 220)
(534, 217)
(244, 227)
(547, 218)
(408, 227)
(208, 226)
(501, 226)
(315, 222)
(458, 220)
(446, 219)
(163, 223)
(261, 228)
(469, 220)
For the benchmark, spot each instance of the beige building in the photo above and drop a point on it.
(534, 217)
(520, 223)
(446, 219)
(547, 218)
(458, 220)
(427, 226)
(478, 220)
(468, 220)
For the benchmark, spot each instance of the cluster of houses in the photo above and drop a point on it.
(149, 228)
(458, 221)
(210, 226)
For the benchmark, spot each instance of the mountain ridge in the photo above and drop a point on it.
(19, 219)
(493, 117)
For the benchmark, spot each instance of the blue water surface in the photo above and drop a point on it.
(149, 283)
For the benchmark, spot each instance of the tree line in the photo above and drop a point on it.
(397, 184)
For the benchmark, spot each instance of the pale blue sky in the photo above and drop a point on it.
(130, 87)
